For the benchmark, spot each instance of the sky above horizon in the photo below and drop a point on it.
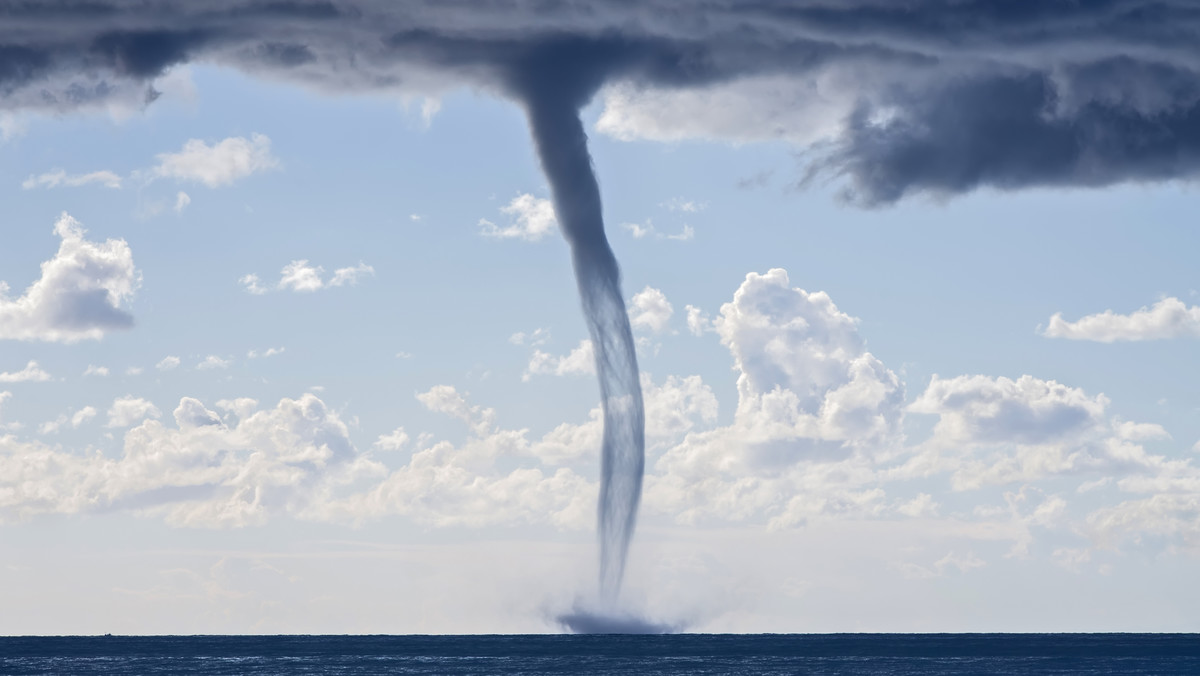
(279, 359)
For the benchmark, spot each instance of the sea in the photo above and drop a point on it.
(959, 654)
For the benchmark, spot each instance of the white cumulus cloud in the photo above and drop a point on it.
(1168, 318)
(638, 230)
(446, 399)
(212, 361)
(392, 441)
(31, 373)
(649, 309)
(80, 294)
(202, 472)
(269, 352)
(1025, 410)
(579, 361)
(219, 164)
(74, 420)
(997, 430)
(349, 276)
(697, 321)
(82, 415)
(815, 410)
(474, 483)
(252, 284)
(127, 410)
(300, 276)
(532, 219)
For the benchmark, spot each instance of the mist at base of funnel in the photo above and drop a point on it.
(588, 621)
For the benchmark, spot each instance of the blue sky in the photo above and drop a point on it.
(908, 449)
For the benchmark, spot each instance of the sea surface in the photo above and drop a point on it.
(960, 654)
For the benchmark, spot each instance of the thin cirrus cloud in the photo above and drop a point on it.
(11, 127)
(536, 337)
(685, 205)
(214, 166)
(81, 295)
(642, 231)
(60, 178)
(300, 276)
(1168, 318)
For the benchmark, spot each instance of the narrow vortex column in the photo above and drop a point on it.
(562, 147)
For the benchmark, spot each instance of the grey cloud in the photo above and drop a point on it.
(1002, 131)
(145, 53)
(947, 95)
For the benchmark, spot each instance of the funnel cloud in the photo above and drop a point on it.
(552, 103)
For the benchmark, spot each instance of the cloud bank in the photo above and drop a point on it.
(816, 437)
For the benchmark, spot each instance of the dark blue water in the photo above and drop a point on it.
(960, 654)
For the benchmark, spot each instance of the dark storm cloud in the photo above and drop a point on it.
(144, 54)
(948, 95)
(1002, 131)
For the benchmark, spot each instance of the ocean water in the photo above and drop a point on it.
(960, 654)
